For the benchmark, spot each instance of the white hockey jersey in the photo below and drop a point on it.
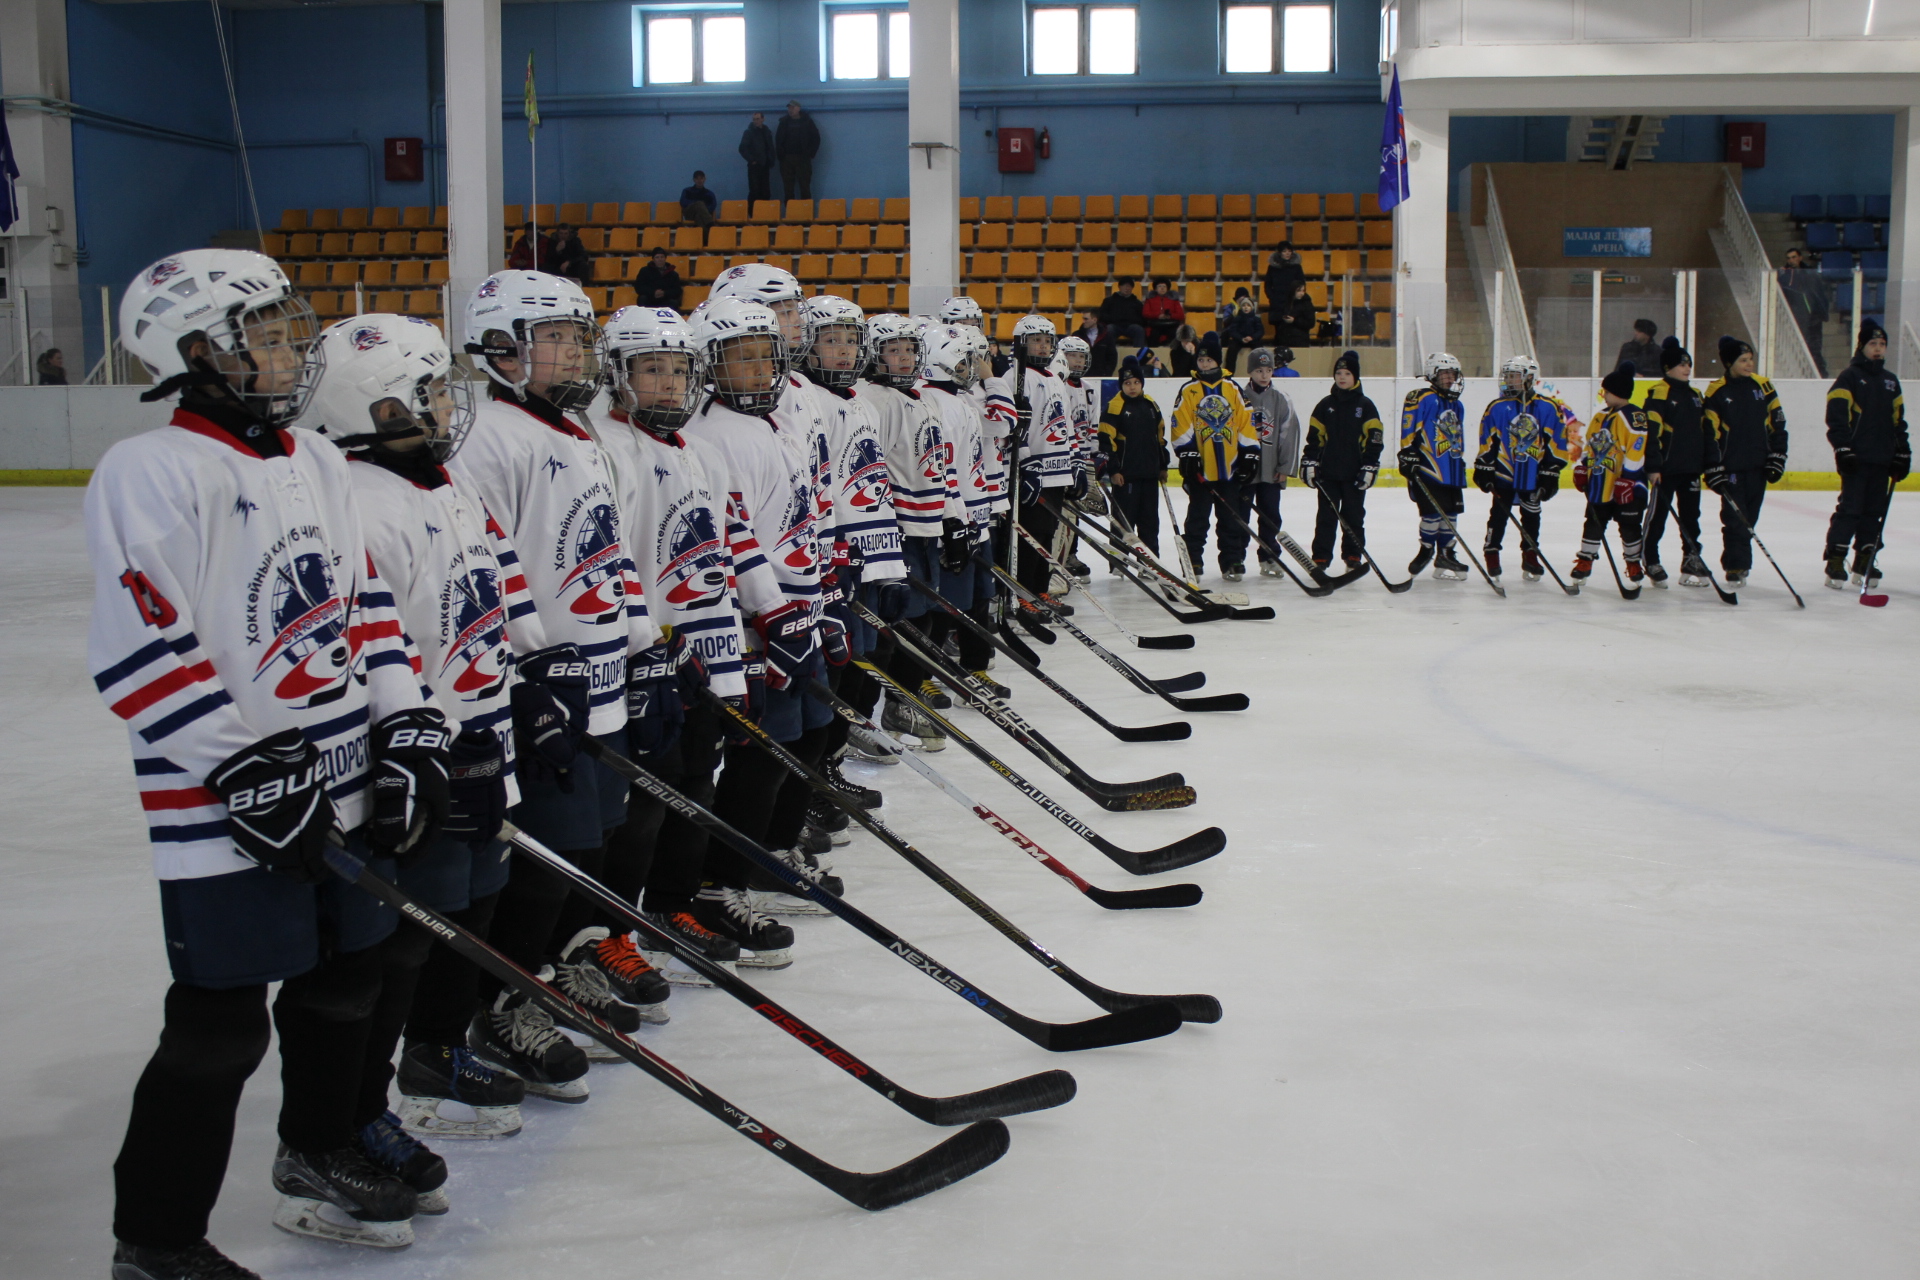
(462, 598)
(799, 420)
(550, 490)
(233, 599)
(770, 487)
(1083, 416)
(971, 500)
(862, 492)
(1046, 445)
(917, 458)
(992, 398)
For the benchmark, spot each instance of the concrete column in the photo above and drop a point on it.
(474, 230)
(933, 116)
(45, 308)
(1420, 244)
(1903, 250)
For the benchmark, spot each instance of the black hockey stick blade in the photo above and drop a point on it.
(1335, 581)
(1212, 702)
(1193, 1008)
(1171, 731)
(1141, 801)
(1180, 684)
(1184, 852)
(1182, 641)
(1037, 1092)
(1016, 644)
(1033, 628)
(970, 1150)
(1149, 1021)
(1259, 613)
(1166, 895)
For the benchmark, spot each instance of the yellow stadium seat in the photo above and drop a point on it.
(985, 266)
(987, 295)
(1341, 262)
(1096, 235)
(1380, 293)
(394, 244)
(1204, 208)
(993, 235)
(1268, 207)
(429, 244)
(293, 219)
(1202, 235)
(694, 295)
(573, 213)
(622, 296)
(1056, 266)
(1030, 209)
(845, 266)
(1131, 235)
(890, 236)
(1066, 208)
(1317, 290)
(1164, 235)
(1236, 266)
(374, 275)
(411, 274)
(1003, 326)
(1377, 232)
(1027, 235)
(864, 209)
(1099, 209)
(830, 211)
(839, 291)
(353, 219)
(1134, 208)
(1089, 294)
(335, 244)
(1313, 262)
(1239, 208)
(823, 237)
(689, 239)
(1016, 297)
(1167, 209)
(997, 209)
(385, 218)
(594, 238)
(1200, 295)
(636, 213)
(423, 302)
(1305, 206)
(387, 302)
(780, 260)
(859, 237)
(437, 271)
(1370, 206)
(274, 244)
(732, 213)
(765, 212)
(871, 297)
(1236, 235)
(969, 208)
(1312, 233)
(799, 212)
(1023, 266)
(790, 238)
(1269, 234)
(324, 220)
(512, 216)
(881, 266)
(706, 267)
(1062, 235)
(605, 213)
(897, 209)
(1202, 266)
(1163, 264)
(753, 239)
(666, 213)
(1053, 297)
(652, 238)
(1129, 265)
(326, 305)
(1339, 204)
(1343, 234)
(609, 269)
(309, 274)
(1090, 266)
(969, 234)
(723, 239)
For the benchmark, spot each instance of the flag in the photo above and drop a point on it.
(9, 174)
(533, 104)
(1393, 150)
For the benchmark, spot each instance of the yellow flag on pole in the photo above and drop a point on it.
(533, 104)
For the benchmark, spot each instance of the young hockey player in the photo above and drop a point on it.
(1433, 459)
(1278, 429)
(271, 702)
(1040, 466)
(1676, 457)
(1867, 427)
(1518, 462)
(1219, 454)
(1746, 451)
(1340, 461)
(1609, 474)
(532, 462)
(1070, 364)
(1132, 458)
(950, 365)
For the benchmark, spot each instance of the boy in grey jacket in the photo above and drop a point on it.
(1279, 430)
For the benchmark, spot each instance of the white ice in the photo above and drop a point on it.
(1556, 937)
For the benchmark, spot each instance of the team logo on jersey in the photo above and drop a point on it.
(308, 654)
(1215, 415)
(365, 338)
(796, 530)
(596, 564)
(865, 467)
(1523, 436)
(1447, 438)
(475, 624)
(1056, 426)
(164, 271)
(690, 566)
(1600, 450)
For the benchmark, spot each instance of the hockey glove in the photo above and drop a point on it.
(1077, 487)
(476, 788)
(1580, 477)
(1896, 471)
(1408, 460)
(1717, 478)
(1844, 460)
(1776, 467)
(1246, 465)
(892, 597)
(550, 712)
(1102, 466)
(278, 810)
(753, 703)
(1484, 475)
(655, 711)
(956, 548)
(1189, 465)
(1548, 485)
(831, 635)
(1364, 481)
(787, 636)
(1310, 474)
(1626, 491)
(410, 785)
(1029, 486)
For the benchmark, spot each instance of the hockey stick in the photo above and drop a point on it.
(1031, 1093)
(1326, 588)
(1877, 600)
(1145, 1023)
(1170, 732)
(1189, 572)
(1332, 581)
(1171, 895)
(1528, 544)
(1195, 596)
(1061, 609)
(1035, 606)
(1753, 533)
(966, 1152)
(1198, 847)
(1205, 612)
(1726, 596)
(1192, 1008)
(1358, 541)
(1159, 688)
(1607, 547)
(1458, 540)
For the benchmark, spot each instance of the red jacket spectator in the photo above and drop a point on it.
(528, 251)
(1164, 313)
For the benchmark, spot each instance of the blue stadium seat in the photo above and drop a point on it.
(1822, 236)
(1858, 235)
(1879, 208)
(1874, 264)
(1836, 265)
(1843, 298)
(1806, 208)
(1843, 208)
(1874, 296)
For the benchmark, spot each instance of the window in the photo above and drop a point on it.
(689, 44)
(861, 48)
(1088, 39)
(1257, 39)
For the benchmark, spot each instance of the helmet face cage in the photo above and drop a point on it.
(961, 311)
(657, 386)
(834, 335)
(436, 406)
(1034, 350)
(268, 355)
(734, 382)
(1077, 355)
(886, 355)
(1440, 363)
(564, 355)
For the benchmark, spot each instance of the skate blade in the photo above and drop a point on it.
(926, 746)
(1838, 584)
(432, 1203)
(1532, 577)
(445, 1118)
(570, 1091)
(839, 839)
(1448, 575)
(322, 1220)
(675, 971)
(778, 959)
(595, 1051)
(775, 903)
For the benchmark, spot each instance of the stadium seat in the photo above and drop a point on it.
(1202, 235)
(1168, 209)
(293, 219)
(1129, 265)
(689, 239)
(1836, 264)
(706, 267)
(986, 266)
(325, 220)
(969, 209)
(393, 244)
(1341, 262)
(1062, 235)
(1028, 235)
(1313, 262)
(1096, 235)
(1056, 266)
(1203, 322)
(969, 234)
(897, 209)
(1066, 208)
(1089, 294)
(1236, 266)
(789, 237)
(1822, 236)
(1163, 265)
(309, 274)
(1843, 208)
(724, 239)
(1164, 235)
(1317, 290)
(374, 275)
(437, 271)
(993, 235)
(1099, 209)
(997, 209)
(1053, 296)
(765, 212)
(755, 239)
(1023, 266)
(1873, 264)
(1236, 235)
(326, 305)
(1030, 209)
(870, 297)
(1238, 208)
(542, 214)
(666, 213)
(353, 219)
(1380, 294)
(1343, 234)
(1003, 326)
(863, 210)
(799, 212)
(1202, 266)
(1090, 266)
(605, 213)
(1134, 208)
(845, 266)
(1269, 208)
(694, 295)
(1370, 206)
(610, 269)
(1199, 295)
(573, 213)
(838, 290)
(1131, 235)
(819, 237)
(385, 218)
(1858, 235)
(335, 244)
(1879, 208)
(636, 213)
(423, 302)
(732, 212)
(1269, 234)
(1016, 297)
(1305, 206)
(1338, 205)
(858, 236)
(1204, 208)
(1806, 208)
(411, 274)
(890, 235)
(1302, 233)
(987, 295)
(594, 238)
(652, 238)
(1378, 232)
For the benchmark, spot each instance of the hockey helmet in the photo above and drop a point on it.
(651, 354)
(1033, 341)
(543, 322)
(950, 355)
(1441, 362)
(745, 355)
(961, 310)
(1524, 366)
(1076, 354)
(825, 315)
(882, 333)
(388, 383)
(775, 288)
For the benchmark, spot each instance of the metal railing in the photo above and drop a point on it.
(1512, 334)
(1777, 338)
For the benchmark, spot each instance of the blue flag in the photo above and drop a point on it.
(1393, 150)
(9, 174)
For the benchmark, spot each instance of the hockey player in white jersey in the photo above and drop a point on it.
(1040, 465)
(950, 366)
(992, 395)
(531, 460)
(271, 701)
(1083, 413)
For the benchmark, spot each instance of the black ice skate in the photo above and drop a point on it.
(446, 1092)
(934, 696)
(1233, 572)
(764, 942)
(1493, 564)
(685, 927)
(1657, 574)
(1269, 568)
(1837, 569)
(865, 797)
(520, 1036)
(902, 717)
(1866, 571)
(581, 981)
(1447, 567)
(1078, 568)
(395, 1151)
(992, 686)
(195, 1262)
(632, 980)
(1531, 570)
(828, 821)
(861, 745)
(1418, 565)
(1693, 571)
(1736, 579)
(342, 1195)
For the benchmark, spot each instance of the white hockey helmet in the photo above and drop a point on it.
(885, 329)
(635, 332)
(387, 382)
(257, 329)
(1076, 354)
(961, 310)
(724, 330)
(949, 355)
(1524, 366)
(1028, 347)
(508, 305)
(830, 311)
(777, 289)
(1441, 362)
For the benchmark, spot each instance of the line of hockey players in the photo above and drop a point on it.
(1635, 465)
(350, 597)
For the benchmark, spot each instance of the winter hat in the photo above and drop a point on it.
(1672, 353)
(1130, 368)
(1210, 346)
(1731, 349)
(1259, 358)
(1647, 327)
(1869, 330)
(1620, 381)
(1350, 361)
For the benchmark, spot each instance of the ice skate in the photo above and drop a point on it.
(864, 746)
(1530, 567)
(865, 797)
(828, 821)
(1447, 566)
(1837, 570)
(341, 1195)
(1269, 569)
(1635, 573)
(520, 1036)
(933, 695)
(902, 717)
(1493, 564)
(1078, 568)
(686, 928)
(764, 942)
(1233, 572)
(195, 1262)
(1657, 574)
(773, 895)
(1693, 571)
(993, 686)
(1418, 565)
(581, 981)
(1582, 570)
(446, 1092)
(815, 840)
(393, 1149)
(632, 978)
(1736, 579)
(1866, 573)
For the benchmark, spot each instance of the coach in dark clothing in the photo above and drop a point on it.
(1283, 273)
(1132, 456)
(657, 283)
(1867, 427)
(1809, 300)
(1643, 353)
(795, 143)
(1123, 315)
(756, 148)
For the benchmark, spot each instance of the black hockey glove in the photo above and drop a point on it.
(278, 810)
(1189, 464)
(1717, 478)
(1408, 460)
(1077, 488)
(1310, 474)
(1246, 464)
(1844, 460)
(1029, 486)
(831, 635)
(752, 704)
(892, 597)
(410, 783)
(476, 788)
(787, 634)
(1776, 466)
(1549, 484)
(655, 711)
(550, 712)
(956, 545)
(1897, 470)
(1485, 476)
(1364, 481)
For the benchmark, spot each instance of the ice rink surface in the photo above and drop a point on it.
(1556, 937)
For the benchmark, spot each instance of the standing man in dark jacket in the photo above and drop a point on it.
(756, 148)
(1746, 452)
(1867, 427)
(1123, 315)
(657, 283)
(1676, 457)
(1342, 457)
(1132, 457)
(1284, 275)
(795, 143)
(1809, 300)
(1642, 352)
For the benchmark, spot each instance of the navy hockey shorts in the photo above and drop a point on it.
(958, 587)
(449, 876)
(249, 927)
(581, 820)
(923, 562)
(791, 711)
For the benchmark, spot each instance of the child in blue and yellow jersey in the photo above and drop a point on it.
(1610, 474)
(1433, 459)
(1522, 452)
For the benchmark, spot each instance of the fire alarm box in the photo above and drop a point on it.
(1016, 150)
(1747, 145)
(404, 163)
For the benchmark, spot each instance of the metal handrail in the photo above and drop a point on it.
(1770, 316)
(1513, 304)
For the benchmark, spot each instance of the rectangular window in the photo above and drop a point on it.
(689, 44)
(1071, 40)
(1258, 39)
(1306, 38)
(1246, 39)
(859, 47)
(899, 45)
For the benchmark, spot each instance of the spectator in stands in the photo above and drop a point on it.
(1163, 311)
(1241, 328)
(697, 203)
(657, 283)
(1150, 364)
(756, 148)
(567, 256)
(1122, 315)
(1284, 357)
(1186, 349)
(795, 143)
(1642, 352)
(1283, 273)
(1105, 354)
(1293, 323)
(51, 368)
(1809, 300)
(529, 251)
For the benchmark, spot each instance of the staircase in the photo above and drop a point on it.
(1619, 142)
(1778, 234)
(1468, 337)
